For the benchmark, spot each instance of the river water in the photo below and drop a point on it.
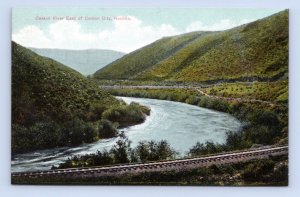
(182, 125)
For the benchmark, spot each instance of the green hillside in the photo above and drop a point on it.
(255, 51)
(53, 105)
(44, 89)
(146, 57)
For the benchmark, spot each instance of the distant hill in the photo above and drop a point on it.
(84, 61)
(254, 51)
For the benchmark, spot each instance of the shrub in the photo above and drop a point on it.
(204, 149)
(254, 171)
(107, 129)
(263, 117)
(126, 114)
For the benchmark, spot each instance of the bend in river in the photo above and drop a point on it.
(182, 125)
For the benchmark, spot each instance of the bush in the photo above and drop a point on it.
(192, 100)
(154, 151)
(204, 149)
(236, 140)
(41, 135)
(260, 134)
(90, 133)
(126, 114)
(97, 159)
(74, 130)
(21, 139)
(107, 129)
(121, 150)
(263, 117)
(254, 171)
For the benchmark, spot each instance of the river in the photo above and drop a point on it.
(182, 125)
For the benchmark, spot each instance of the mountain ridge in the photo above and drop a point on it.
(256, 50)
(164, 48)
(85, 61)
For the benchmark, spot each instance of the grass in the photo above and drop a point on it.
(142, 59)
(267, 91)
(255, 51)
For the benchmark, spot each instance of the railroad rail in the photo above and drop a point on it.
(180, 164)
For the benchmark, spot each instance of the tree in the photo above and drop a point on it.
(142, 151)
(106, 129)
(204, 149)
(235, 140)
(153, 156)
(154, 151)
(165, 151)
(89, 133)
(121, 150)
(75, 130)
(102, 158)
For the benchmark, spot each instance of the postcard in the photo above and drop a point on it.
(150, 96)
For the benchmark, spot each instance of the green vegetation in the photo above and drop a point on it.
(144, 58)
(255, 51)
(53, 105)
(265, 172)
(127, 115)
(272, 171)
(122, 152)
(200, 149)
(263, 123)
(249, 62)
(267, 91)
(43, 89)
(180, 95)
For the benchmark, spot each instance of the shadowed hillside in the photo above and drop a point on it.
(44, 89)
(53, 105)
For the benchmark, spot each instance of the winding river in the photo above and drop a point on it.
(182, 125)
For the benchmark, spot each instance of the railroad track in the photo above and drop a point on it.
(180, 164)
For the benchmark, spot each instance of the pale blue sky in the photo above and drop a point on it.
(146, 25)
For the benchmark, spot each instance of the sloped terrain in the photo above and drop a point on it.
(44, 89)
(254, 51)
(54, 106)
(146, 57)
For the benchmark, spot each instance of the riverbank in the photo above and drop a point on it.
(181, 125)
(263, 123)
